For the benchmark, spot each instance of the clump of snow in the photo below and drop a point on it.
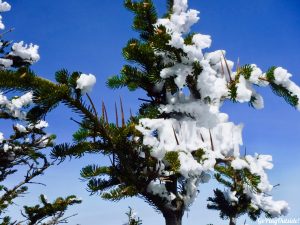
(22, 101)
(255, 76)
(4, 6)
(191, 189)
(86, 83)
(266, 203)
(201, 41)
(3, 99)
(282, 77)
(180, 71)
(244, 92)
(5, 63)
(20, 128)
(259, 101)
(6, 147)
(44, 141)
(230, 196)
(41, 124)
(75, 199)
(189, 167)
(257, 165)
(1, 138)
(239, 164)
(14, 107)
(158, 188)
(29, 53)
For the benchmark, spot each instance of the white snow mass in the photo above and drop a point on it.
(86, 83)
(29, 53)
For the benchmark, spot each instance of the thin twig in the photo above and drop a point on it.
(264, 79)
(27, 179)
(31, 182)
(144, 100)
(76, 121)
(8, 31)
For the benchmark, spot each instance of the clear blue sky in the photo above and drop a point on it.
(88, 36)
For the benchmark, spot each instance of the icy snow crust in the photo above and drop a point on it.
(206, 127)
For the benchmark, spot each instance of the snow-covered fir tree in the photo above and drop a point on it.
(180, 138)
(133, 219)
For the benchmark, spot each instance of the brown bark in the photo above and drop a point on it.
(173, 218)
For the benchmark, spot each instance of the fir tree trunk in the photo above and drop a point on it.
(232, 221)
(174, 218)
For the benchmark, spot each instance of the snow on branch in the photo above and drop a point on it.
(200, 133)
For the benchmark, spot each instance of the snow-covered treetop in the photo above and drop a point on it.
(197, 125)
